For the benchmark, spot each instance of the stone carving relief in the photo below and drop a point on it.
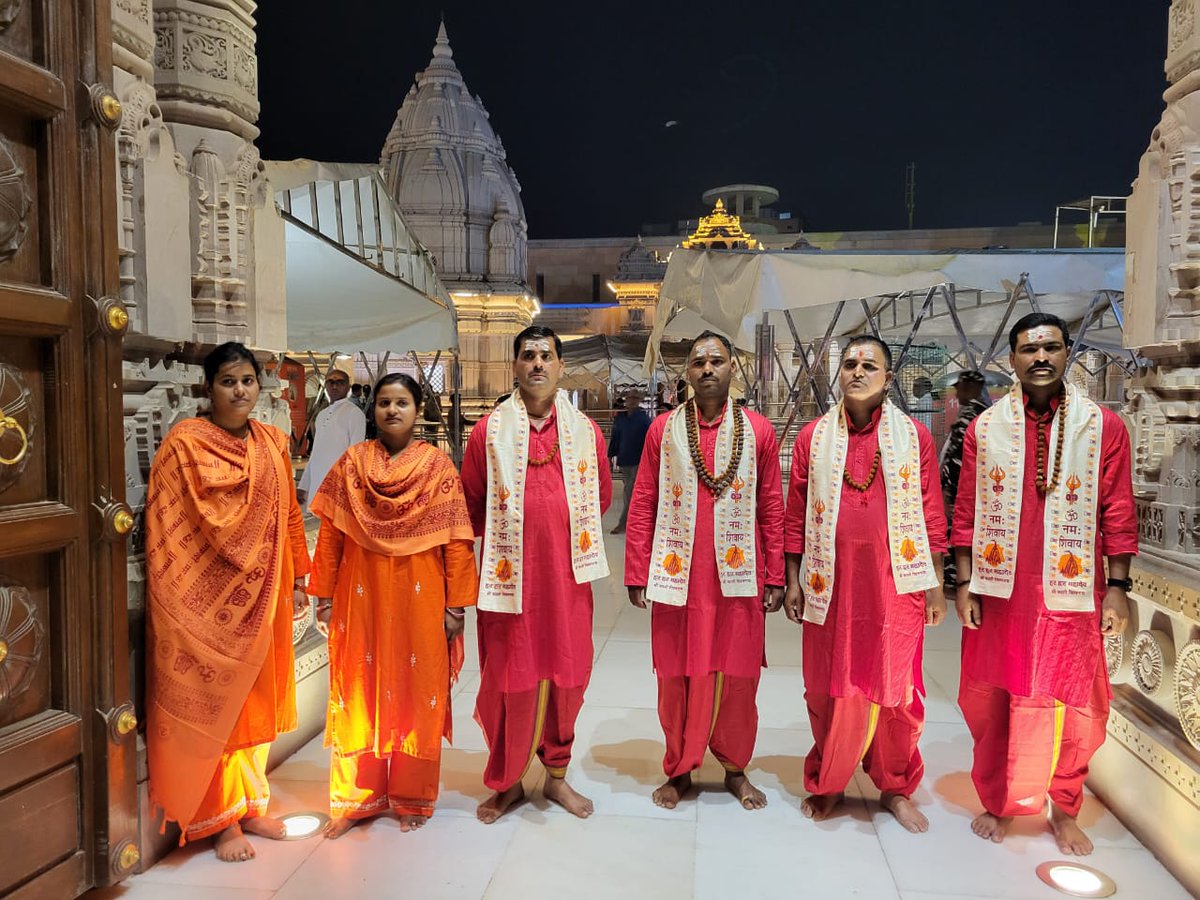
(22, 640)
(301, 625)
(221, 239)
(9, 10)
(208, 59)
(1116, 658)
(14, 202)
(18, 424)
(1153, 662)
(1181, 22)
(1187, 691)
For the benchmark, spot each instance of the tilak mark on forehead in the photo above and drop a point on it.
(538, 345)
(1041, 333)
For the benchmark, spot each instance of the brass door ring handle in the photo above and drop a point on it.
(7, 423)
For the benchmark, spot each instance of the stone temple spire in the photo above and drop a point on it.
(447, 170)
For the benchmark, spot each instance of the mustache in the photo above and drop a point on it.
(1041, 367)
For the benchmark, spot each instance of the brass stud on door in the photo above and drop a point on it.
(126, 857)
(106, 108)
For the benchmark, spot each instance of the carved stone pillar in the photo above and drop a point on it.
(1146, 771)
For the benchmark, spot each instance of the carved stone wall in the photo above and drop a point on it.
(1150, 769)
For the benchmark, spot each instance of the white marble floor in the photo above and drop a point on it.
(709, 847)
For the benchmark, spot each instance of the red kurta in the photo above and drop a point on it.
(535, 665)
(1022, 647)
(712, 633)
(552, 636)
(870, 643)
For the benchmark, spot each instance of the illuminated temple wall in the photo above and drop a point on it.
(1149, 769)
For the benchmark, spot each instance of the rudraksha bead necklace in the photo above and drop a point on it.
(710, 480)
(861, 486)
(1043, 447)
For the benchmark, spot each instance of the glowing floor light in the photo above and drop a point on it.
(1076, 880)
(301, 825)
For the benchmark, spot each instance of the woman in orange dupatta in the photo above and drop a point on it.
(393, 571)
(225, 566)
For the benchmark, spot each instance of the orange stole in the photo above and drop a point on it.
(224, 542)
(396, 548)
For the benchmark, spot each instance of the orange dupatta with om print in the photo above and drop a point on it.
(397, 507)
(217, 547)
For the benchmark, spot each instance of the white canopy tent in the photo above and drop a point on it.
(357, 279)
(735, 291)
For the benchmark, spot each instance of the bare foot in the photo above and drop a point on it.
(335, 828)
(265, 826)
(739, 785)
(820, 806)
(412, 823)
(499, 803)
(567, 797)
(232, 846)
(906, 813)
(669, 795)
(1070, 837)
(991, 828)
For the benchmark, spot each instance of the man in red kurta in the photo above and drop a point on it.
(709, 650)
(535, 663)
(862, 644)
(1034, 688)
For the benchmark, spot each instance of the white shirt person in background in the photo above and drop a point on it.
(339, 426)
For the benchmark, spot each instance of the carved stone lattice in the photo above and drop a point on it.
(22, 640)
(1116, 657)
(1187, 692)
(1153, 661)
(14, 202)
(301, 625)
(18, 424)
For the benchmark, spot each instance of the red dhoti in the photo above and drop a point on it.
(1028, 747)
(852, 730)
(518, 726)
(707, 712)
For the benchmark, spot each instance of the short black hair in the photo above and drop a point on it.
(708, 335)
(230, 351)
(1033, 320)
(405, 381)
(871, 339)
(533, 332)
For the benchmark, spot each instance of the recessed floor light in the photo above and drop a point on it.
(301, 825)
(1075, 879)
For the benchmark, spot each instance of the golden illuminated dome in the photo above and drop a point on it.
(720, 231)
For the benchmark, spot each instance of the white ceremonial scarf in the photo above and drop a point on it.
(734, 512)
(502, 577)
(1069, 543)
(908, 540)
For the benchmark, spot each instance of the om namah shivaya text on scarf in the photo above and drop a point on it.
(908, 540)
(1069, 546)
(734, 512)
(507, 461)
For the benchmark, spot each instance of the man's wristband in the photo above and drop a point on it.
(457, 613)
(1125, 584)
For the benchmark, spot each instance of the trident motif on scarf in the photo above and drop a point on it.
(905, 473)
(997, 475)
(1073, 484)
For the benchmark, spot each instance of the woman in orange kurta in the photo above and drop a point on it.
(225, 566)
(394, 570)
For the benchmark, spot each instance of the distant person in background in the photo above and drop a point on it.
(356, 396)
(628, 437)
(660, 399)
(969, 391)
(339, 426)
(921, 407)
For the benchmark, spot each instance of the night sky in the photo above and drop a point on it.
(1007, 107)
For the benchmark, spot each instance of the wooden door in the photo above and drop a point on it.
(67, 753)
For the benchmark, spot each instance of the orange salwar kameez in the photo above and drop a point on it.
(395, 551)
(224, 545)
